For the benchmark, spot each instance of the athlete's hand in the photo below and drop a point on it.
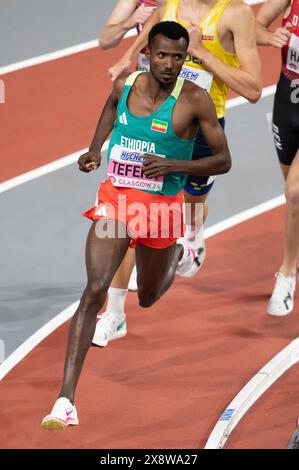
(141, 15)
(121, 66)
(281, 36)
(195, 35)
(155, 166)
(89, 161)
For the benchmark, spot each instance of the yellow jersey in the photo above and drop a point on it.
(193, 69)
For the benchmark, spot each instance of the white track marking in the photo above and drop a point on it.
(24, 64)
(85, 46)
(53, 324)
(41, 59)
(35, 339)
(239, 100)
(70, 159)
(44, 170)
(252, 391)
(40, 171)
(244, 215)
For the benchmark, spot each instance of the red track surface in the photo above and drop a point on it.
(168, 381)
(182, 362)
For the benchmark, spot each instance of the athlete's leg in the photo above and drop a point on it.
(285, 132)
(155, 271)
(197, 189)
(111, 323)
(103, 257)
(122, 276)
(291, 246)
(197, 212)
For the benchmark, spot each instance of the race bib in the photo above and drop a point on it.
(201, 78)
(125, 170)
(293, 54)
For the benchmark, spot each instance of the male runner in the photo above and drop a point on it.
(222, 54)
(155, 116)
(126, 15)
(285, 129)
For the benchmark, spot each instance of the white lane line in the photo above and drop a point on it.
(239, 100)
(244, 215)
(35, 339)
(24, 64)
(252, 391)
(70, 50)
(53, 324)
(41, 171)
(44, 170)
(72, 158)
(41, 59)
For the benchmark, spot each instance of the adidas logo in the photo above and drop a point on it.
(123, 119)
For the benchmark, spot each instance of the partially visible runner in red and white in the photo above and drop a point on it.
(285, 129)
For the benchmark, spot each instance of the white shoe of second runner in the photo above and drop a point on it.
(196, 240)
(109, 327)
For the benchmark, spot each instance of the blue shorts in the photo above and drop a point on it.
(199, 185)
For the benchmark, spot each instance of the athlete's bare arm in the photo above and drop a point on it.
(268, 12)
(124, 17)
(92, 159)
(245, 80)
(139, 43)
(201, 113)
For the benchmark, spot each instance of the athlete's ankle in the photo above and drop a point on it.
(116, 301)
(69, 396)
(288, 271)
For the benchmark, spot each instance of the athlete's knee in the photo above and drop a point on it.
(147, 297)
(94, 294)
(292, 196)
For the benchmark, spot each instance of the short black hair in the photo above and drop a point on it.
(170, 29)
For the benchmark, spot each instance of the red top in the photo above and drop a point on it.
(290, 52)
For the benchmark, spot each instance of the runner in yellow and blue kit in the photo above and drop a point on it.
(199, 74)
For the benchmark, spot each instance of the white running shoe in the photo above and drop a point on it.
(200, 254)
(196, 240)
(109, 327)
(282, 300)
(63, 414)
(186, 264)
(133, 281)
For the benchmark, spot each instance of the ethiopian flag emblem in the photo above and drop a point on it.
(159, 126)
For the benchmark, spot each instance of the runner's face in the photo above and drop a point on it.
(167, 57)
